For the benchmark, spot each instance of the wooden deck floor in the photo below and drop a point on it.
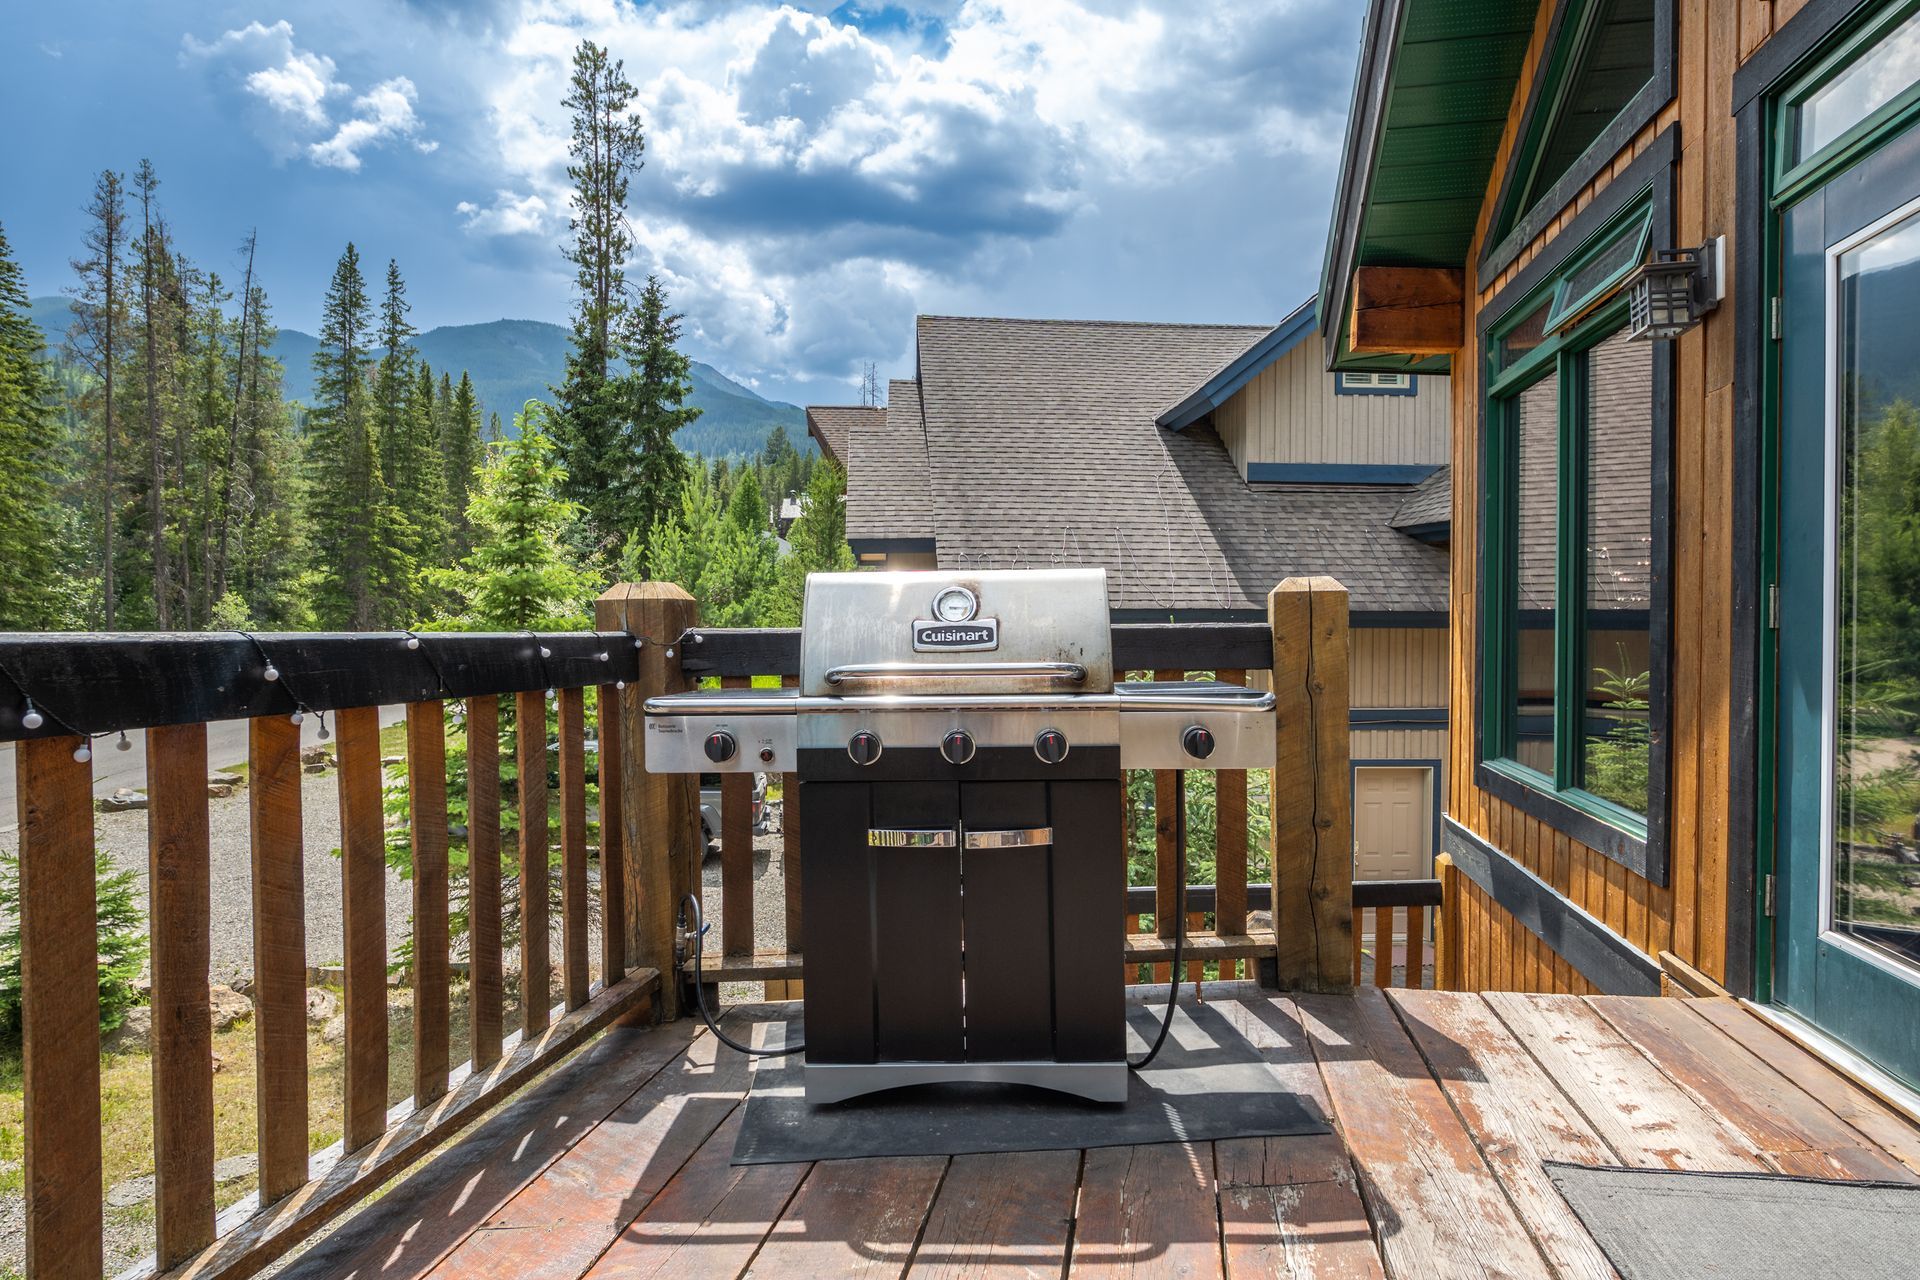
(1444, 1106)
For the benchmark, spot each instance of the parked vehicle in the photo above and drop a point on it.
(710, 808)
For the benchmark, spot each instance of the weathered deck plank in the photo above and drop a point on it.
(852, 1218)
(1796, 1133)
(1291, 1207)
(1147, 1212)
(1438, 1209)
(1000, 1217)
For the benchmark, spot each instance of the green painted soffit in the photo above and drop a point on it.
(1451, 78)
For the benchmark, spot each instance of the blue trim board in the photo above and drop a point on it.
(1340, 388)
(889, 546)
(1243, 368)
(1602, 956)
(1433, 791)
(1338, 472)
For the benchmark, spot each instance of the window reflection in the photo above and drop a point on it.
(1873, 860)
(1536, 516)
(1617, 742)
(1860, 90)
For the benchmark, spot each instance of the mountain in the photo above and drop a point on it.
(513, 361)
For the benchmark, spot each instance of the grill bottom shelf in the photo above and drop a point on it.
(1140, 948)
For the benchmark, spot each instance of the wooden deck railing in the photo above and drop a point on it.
(650, 855)
(170, 686)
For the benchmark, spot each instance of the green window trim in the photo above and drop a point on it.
(1528, 197)
(1795, 174)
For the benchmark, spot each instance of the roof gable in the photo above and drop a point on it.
(1243, 368)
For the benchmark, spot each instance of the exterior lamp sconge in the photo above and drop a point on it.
(1673, 293)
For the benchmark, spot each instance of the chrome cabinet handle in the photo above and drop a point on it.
(1071, 671)
(911, 838)
(1031, 838)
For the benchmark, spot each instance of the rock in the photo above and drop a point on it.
(313, 755)
(314, 768)
(243, 983)
(322, 1005)
(219, 790)
(335, 1032)
(125, 1195)
(327, 975)
(391, 762)
(229, 1007)
(135, 1031)
(121, 801)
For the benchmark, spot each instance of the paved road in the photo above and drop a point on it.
(113, 769)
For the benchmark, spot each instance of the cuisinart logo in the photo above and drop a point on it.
(981, 633)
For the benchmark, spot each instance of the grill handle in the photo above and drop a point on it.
(912, 838)
(1068, 671)
(1031, 838)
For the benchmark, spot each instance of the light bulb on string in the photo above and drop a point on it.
(413, 642)
(33, 719)
(324, 735)
(296, 717)
(83, 753)
(619, 684)
(545, 652)
(271, 674)
(123, 744)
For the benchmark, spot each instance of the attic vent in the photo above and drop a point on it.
(1365, 383)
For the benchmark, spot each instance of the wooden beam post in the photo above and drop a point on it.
(661, 811)
(59, 1009)
(1446, 926)
(1409, 311)
(1312, 789)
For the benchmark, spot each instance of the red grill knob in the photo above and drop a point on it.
(1198, 742)
(864, 747)
(957, 747)
(1051, 746)
(721, 747)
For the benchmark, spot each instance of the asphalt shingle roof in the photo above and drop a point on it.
(889, 454)
(1041, 448)
(1428, 503)
(829, 424)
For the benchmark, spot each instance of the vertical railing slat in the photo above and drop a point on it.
(1230, 841)
(1383, 946)
(279, 953)
(613, 842)
(574, 976)
(427, 822)
(363, 872)
(485, 988)
(736, 852)
(1416, 947)
(1359, 951)
(790, 862)
(536, 958)
(180, 912)
(1166, 850)
(1446, 926)
(59, 1010)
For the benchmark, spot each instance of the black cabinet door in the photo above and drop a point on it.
(1009, 926)
(836, 884)
(916, 901)
(1089, 904)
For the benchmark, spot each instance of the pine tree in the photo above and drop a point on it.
(520, 574)
(655, 395)
(420, 492)
(460, 452)
(269, 496)
(347, 492)
(30, 592)
(155, 262)
(716, 552)
(393, 382)
(97, 342)
(817, 543)
(606, 149)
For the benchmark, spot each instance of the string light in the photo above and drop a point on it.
(83, 753)
(271, 674)
(545, 652)
(324, 735)
(33, 719)
(123, 744)
(413, 641)
(619, 684)
(296, 717)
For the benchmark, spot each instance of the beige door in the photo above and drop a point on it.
(1393, 826)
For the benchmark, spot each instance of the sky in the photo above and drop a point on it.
(816, 173)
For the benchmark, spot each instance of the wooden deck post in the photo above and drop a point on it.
(661, 811)
(1446, 926)
(1312, 790)
(59, 1009)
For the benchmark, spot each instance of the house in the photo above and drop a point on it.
(1200, 464)
(1681, 729)
(829, 426)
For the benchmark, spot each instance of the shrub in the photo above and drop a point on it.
(122, 934)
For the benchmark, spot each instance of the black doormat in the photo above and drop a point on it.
(1208, 1082)
(1661, 1225)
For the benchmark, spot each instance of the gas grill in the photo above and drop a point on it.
(959, 741)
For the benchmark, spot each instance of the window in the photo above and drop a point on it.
(1569, 664)
(1862, 86)
(1610, 70)
(1378, 384)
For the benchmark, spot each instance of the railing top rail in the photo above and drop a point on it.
(1137, 646)
(98, 682)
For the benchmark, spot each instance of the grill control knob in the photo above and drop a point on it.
(721, 747)
(864, 747)
(957, 747)
(1198, 742)
(1050, 745)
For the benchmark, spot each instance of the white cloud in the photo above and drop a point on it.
(382, 113)
(809, 183)
(289, 92)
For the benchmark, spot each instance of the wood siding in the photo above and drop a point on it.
(1291, 413)
(1689, 915)
(1399, 667)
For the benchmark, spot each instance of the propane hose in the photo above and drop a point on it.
(1179, 915)
(691, 905)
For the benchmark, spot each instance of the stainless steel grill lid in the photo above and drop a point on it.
(995, 631)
